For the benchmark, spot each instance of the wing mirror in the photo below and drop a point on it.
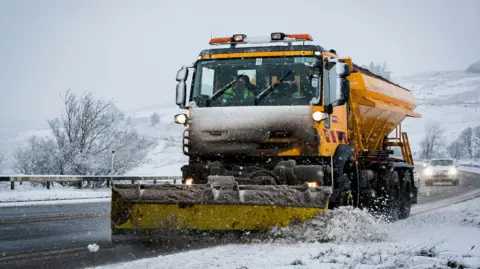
(181, 95)
(182, 74)
(337, 86)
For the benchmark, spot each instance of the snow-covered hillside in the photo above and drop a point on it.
(474, 68)
(449, 99)
(167, 158)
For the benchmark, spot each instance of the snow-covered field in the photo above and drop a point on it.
(442, 238)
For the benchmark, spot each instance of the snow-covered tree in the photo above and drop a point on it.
(2, 160)
(82, 142)
(379, 69)
(454, 150)
(154, 119)
(466, 141)
(431, 142)
(128, 121)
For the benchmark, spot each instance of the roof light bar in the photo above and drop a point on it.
(274, 37)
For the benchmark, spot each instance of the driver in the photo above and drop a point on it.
(288, 87)
(240, 89)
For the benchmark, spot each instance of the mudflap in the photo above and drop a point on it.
(152, 211)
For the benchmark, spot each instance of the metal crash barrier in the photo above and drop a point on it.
(80, 179)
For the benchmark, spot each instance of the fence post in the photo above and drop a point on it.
(12, 185)
(111, 170)
(48, 185)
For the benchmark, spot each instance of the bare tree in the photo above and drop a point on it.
(466, 141)
(82, 141)
(154, 119)
(454, 150)
(431, 142)
(476, 142)
(2, 160)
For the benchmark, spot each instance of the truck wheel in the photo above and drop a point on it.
(405, 197)
(393, 194)
(344, 195)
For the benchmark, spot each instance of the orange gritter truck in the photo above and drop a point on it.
(277, 130)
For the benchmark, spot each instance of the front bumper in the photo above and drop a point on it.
(442, 177)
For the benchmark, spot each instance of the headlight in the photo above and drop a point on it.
(319, 116)
(452, 171)
(181, 118)
(428, 172)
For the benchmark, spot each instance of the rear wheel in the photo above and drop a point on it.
(406, 196)
(392, 198)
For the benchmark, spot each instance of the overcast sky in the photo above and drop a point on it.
(129, 51)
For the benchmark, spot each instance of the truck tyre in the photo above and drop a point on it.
(344, 195)
(393, 194)
(406, 195)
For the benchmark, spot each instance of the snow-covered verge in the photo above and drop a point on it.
(470, 169)
(27, 192)
(443, 238)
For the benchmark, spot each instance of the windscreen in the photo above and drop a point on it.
(296, 82)
(441, 163)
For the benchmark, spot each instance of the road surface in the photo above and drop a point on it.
(26, 233)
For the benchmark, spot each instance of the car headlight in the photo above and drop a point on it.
(452, 171)
(319, 116)
(428, 172)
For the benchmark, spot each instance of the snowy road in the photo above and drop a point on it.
(70, 228)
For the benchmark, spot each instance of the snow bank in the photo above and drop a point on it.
(343, 225)
(443, 238)
(475, 170)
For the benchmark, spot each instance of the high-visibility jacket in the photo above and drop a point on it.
(230, 94)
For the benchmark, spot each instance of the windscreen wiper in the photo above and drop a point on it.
(224, 88)
(270, 88)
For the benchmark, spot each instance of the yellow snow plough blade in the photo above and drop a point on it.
(210, 208)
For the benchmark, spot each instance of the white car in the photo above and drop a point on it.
(441, 170)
